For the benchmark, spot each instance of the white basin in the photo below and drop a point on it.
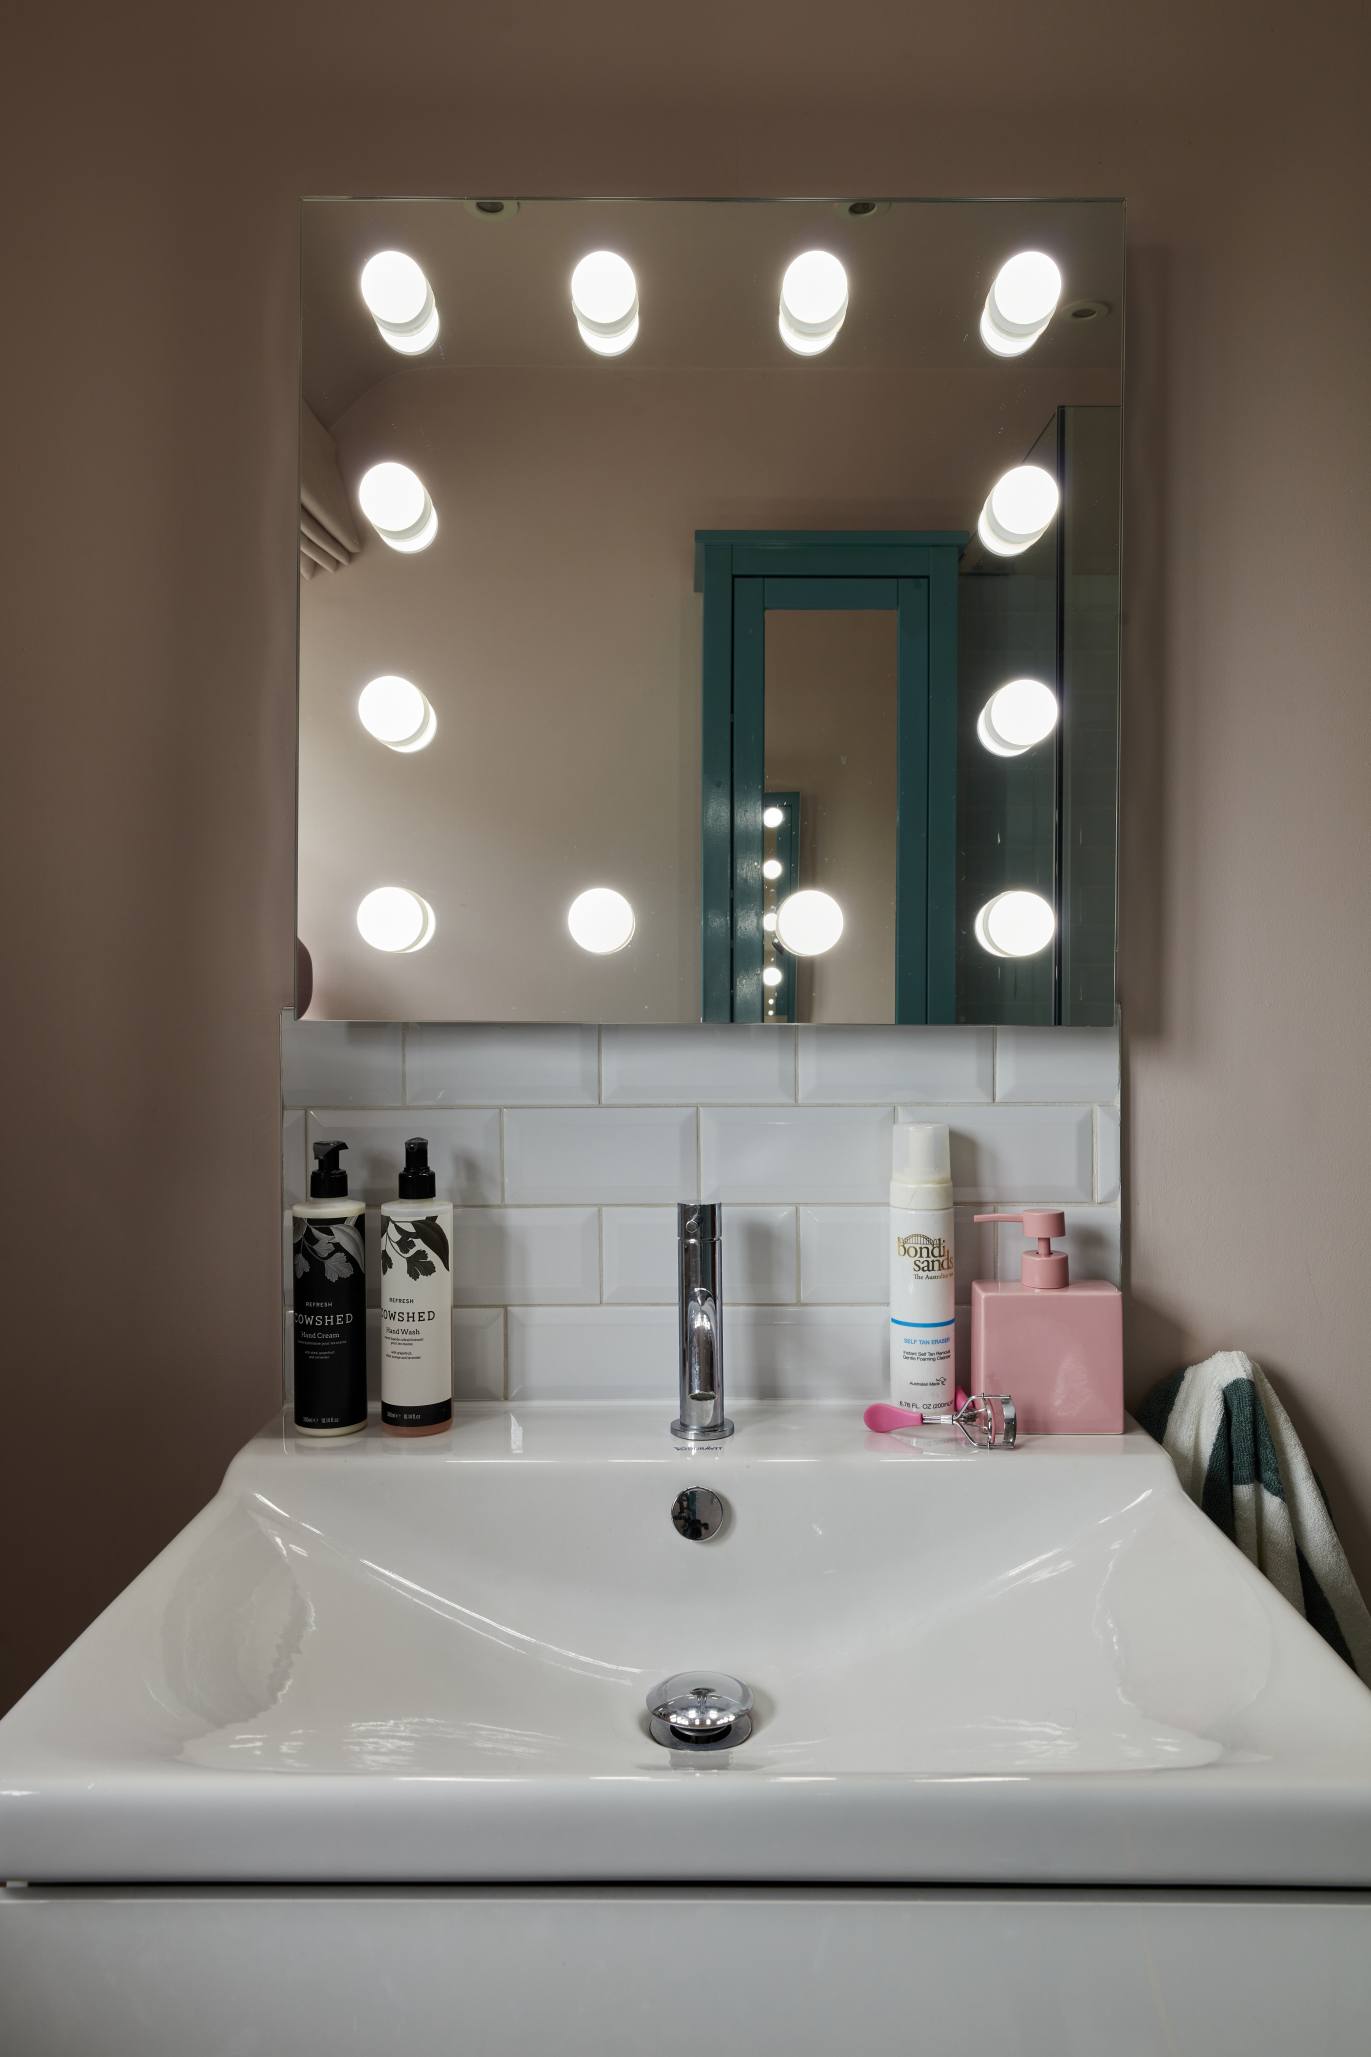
(427, 1661)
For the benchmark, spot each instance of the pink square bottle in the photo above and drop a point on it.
(1057, 1348)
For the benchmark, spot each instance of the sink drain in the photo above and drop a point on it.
(700, 1710)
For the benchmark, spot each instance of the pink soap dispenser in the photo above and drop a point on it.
(1057, 1348)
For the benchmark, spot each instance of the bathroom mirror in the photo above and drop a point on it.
(709, 610)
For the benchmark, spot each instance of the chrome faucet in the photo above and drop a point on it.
(699, 1297)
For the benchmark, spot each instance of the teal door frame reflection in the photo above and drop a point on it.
(743, 575)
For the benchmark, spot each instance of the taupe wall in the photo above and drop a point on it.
(149, 552)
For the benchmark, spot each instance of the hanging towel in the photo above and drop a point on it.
(1239, 1459)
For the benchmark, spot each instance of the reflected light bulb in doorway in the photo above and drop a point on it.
(1015, 924)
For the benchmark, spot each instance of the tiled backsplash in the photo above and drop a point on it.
(564, 1151)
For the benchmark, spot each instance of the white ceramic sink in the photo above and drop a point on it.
(390, 1660)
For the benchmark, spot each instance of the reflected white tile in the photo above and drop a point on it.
(869, 1064)
(515, 1065)
(727, 1061)
(1091, 1244)
(1047, 1152)
(605, 1154)
(845, 1254)
(1106, 1153)
(593, 1353)
(804, 1353)
(795, 1153)
(511, 1256)
(640, 1254)
(464, 1150)
(341, 1063)
(478, 1353)
(294, 1180)
(1056, 1064)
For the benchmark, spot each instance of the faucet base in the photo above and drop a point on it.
(714, 1434)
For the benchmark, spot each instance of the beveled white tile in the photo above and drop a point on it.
(478, 1353)
(1091, 1244)
(1056, 1064)
(601, 1154)
(806, 1353)
(1045, 1152)
(593, 1353)
(845, 1251)
(716, 1061)
(1106, 1153)
(640, 1254)
(850, 1065)
(513, 1256)
(520, 1064)
(795, 1153)
(294, 1183)
(464, 1150)
(340, 1063)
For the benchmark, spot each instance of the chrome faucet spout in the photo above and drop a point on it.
(701, 1355)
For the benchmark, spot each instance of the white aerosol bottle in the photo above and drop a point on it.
(923, 1286)
(416, 1303)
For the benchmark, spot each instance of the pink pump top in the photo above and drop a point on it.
(1045, 1269)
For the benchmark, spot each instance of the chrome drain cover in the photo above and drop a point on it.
(700, 1710)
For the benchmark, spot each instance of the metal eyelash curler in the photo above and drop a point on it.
(987, 1420)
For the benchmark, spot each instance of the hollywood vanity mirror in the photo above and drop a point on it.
(709, 610)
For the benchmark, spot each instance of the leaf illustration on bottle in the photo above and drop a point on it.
(420, 1266)
(348, 1239)
(427, 1229)
(385, 1260)
(404, 1243)
(301, 1265)
(339, 1265)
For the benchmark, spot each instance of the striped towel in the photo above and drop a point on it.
(1240, 1459)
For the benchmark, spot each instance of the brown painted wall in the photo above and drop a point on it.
(149, 556)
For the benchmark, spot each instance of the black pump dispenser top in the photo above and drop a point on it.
(417, 1181)
(328, 1180)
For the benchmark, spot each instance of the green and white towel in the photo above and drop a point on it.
(1240, 1459)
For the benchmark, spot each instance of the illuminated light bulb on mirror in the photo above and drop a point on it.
(809, 923)
(396, 713)
(395, 919)
(769, 922)
(1017, 716)
(1021, 507)
(1015, 924)
(772, 868)
(604, 300)
(395, 501)
(813, 302)
(1021, 302)
(601, 921)
(772, 975)
(772, 817)
(400, 301)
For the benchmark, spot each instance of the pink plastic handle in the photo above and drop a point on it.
(883, 1417)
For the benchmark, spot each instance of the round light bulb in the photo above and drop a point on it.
(1015, 924)
(392, 918)
(769, 921)
(813, 302)
(772, 868)
(394, 710)
(604, 300)
(601, 921)
(1020, 508)
(1026, 290)
(809, 923)
(395, 501)
(772, 817)
(772, 975)
(1016, 716)
(400, 301)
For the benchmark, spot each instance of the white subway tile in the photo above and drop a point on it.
(341, 1063)
(602, 1154)
(805, 1353)
(294, 1181)
(1106, 1153)
(869, 1064)
(640, 1254)
(1091, 1244)
(463, 1148)
(1056, 1064)
(726, 1061)
(475, 1064)
(593, 1353)
(845, 1254)
(513, 1256)
(795, 1153)
(1045, 1152)
(478, 1353)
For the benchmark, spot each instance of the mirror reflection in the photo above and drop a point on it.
(709, 610)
